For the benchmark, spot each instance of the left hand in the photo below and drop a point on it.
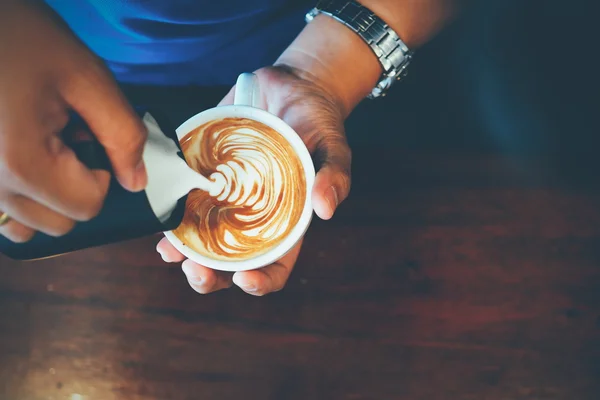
(318, 117)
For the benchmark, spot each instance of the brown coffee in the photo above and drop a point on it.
(264, 195)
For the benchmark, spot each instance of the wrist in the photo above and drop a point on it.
(336, 59)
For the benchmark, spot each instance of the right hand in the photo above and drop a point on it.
(45, 72)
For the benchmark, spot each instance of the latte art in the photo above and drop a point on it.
(264, 189)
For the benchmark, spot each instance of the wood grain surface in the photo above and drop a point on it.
(449, 276)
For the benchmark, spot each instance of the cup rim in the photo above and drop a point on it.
(288, 243)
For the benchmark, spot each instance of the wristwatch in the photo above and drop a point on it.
(393, 54)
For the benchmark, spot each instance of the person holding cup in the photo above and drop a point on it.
(60, 55)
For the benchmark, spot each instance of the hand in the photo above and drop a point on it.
(318, 117)
(45, 71)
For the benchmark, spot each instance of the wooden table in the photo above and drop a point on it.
(458, 276)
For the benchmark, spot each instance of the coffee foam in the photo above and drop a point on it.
(263, 195)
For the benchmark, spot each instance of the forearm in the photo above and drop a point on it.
(342, 63)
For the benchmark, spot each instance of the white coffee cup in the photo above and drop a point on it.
(247, 95)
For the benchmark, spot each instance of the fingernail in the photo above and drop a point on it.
(140, 176)
(189, 274)
(196, 280)
(246, 287)
(332, 198)
(162, 255)
(249, 288)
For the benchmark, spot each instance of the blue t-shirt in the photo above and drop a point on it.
(180, 42)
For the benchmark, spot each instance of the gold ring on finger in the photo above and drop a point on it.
(4, 218)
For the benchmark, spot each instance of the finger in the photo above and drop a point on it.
(332, 183)
(37, 216)
(92, 92)
(271, 278)
(229, 99)
(50, 173)
(16, 231)
(168, 252)
(205, 280)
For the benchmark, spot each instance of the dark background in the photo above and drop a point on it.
(510, 75)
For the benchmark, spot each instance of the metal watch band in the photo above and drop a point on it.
(392, 52)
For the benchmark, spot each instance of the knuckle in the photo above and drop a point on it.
(341, 153)
(334, 149)
(346, 181)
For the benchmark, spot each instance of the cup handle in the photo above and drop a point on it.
(247, 92)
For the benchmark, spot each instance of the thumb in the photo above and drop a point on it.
(332, 183)
(94, 95)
